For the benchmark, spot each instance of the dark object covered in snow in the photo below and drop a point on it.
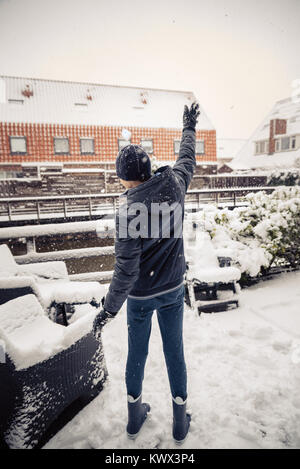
(210, 280)
(48, 372)
(50, 282)
(206, 296)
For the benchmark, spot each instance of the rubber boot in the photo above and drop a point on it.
(181, 420)
(137, 414)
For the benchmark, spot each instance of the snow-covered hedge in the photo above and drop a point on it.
(287, 177)
(261, 235)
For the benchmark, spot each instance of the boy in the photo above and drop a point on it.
(149, 269)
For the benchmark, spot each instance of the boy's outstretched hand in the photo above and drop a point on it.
(190, 116)
(102, 318)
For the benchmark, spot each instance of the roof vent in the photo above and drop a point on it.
(89, 97)
(144, 97)
(27, 91)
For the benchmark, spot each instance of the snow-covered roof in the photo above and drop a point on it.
(229, 147)
(63, 102)
(288, 109)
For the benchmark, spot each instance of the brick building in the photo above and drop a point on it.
(276, 141)
(57, 126)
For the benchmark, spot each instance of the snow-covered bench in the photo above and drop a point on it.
(49, 281)
(45, 367)
(211, 281)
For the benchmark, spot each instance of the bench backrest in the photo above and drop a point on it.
(199, 248)
(7, 261)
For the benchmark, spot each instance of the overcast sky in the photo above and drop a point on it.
(237, 56)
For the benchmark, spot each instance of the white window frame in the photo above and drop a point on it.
(57, 152)
(123, 143)
(176, 146)
(202, 152)
(143, 140)
(283, 140)
(18, 102)
(267, 146)
(262, 147)
(84, 139)
(13, 138)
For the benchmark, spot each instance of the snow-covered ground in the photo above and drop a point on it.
(244, 379)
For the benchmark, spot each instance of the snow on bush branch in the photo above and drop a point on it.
(285, 177)
(263, 234)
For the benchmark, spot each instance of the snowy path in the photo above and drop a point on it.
(244, 379)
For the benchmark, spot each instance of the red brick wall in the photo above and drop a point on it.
(280, 126)
(277, 127)
(40, 142)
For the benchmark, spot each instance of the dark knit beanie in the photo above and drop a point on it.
(133, 164)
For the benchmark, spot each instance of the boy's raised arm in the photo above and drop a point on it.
(186, 161)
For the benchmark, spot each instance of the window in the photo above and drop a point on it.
(176, 146)
(61, 146)
(147, 145)
(81, 107)
(16, 101)
(87, 146)
(285, 143)
(123, 143)
(18, 145)
(199, 147)
(266, 147)
(293, 145)
(277, 145)
(261, 147)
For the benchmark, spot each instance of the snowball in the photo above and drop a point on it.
(126, 134)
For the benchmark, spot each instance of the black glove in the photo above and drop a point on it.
(190, 116)
(102, 318)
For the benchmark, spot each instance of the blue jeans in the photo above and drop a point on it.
(169, 307)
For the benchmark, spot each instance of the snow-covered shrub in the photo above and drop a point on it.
(265, 233)
(275, 220)
(224, 227)
(288, 177)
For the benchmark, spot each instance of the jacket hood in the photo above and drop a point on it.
(163, 186)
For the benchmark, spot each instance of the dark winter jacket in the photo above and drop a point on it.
(146, 265)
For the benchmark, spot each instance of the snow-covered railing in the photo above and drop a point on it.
(33, 256)
(223, 197)
(93, 205)
(54, 229)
